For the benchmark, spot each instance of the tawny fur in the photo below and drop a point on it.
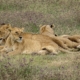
(60, 40)
(74, 38)
(48, 31)
(30, 43)
(4, 33)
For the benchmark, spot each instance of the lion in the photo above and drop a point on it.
(61, 41)
(48, 31)
(20, 42)
(74, 38)
(5, 30)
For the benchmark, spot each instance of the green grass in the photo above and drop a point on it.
(48, 67)
(61, 13)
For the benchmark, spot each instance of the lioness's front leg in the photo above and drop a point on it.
(3, 51)
(14, 52)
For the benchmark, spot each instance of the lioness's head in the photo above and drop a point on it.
(16, 34)
(5, 30)
(47, 28)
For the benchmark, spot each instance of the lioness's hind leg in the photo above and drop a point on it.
(43, 52)
(50, 50)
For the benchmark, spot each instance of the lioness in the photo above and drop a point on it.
(4, 33)
(74, 38)
(5, 30)
(25, 43)
(48, 30)
(19, 42)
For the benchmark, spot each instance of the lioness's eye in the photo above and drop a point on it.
(7, 27)
(16, 32)
(9, 30)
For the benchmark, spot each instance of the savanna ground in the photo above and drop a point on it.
(65, 14)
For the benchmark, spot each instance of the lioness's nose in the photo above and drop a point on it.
(20, 37)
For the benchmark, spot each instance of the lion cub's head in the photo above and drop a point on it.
(47, 29)
(16, 34)
(5, 30)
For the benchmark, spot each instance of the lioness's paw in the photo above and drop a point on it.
(78, 47)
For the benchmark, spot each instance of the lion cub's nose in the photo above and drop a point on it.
(20, 37)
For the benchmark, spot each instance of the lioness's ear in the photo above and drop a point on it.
(42, 29)
(22, 28)
(53, 25)
(8, 26)
(10, 29)
(3, 24)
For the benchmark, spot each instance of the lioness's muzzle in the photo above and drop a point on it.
(20, 37)
(0, 38)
